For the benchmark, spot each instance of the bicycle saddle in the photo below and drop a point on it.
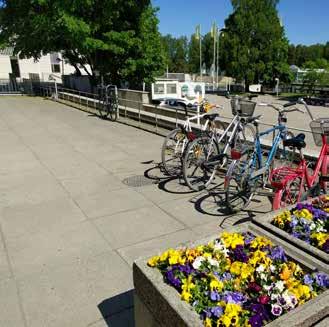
(296, 142)
(211, 117)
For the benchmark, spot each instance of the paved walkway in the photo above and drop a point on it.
(70, 228)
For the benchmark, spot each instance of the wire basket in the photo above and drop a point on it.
(320, 127)
(243, 108)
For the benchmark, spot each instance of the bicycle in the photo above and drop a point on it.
(206, 154)
(108, 102)
(177, 140)
(248, 172)
(289, 183)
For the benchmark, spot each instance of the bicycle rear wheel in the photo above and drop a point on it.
(238, 186)
(171, 152)
(113, 110)
(197, 172)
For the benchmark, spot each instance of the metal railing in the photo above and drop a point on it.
(151, 117)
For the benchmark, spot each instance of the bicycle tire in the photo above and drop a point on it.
(113, 110)
(103, 110)
(175, 169)
(238, 188)
(283, 156)
(194, 158)
(324, 172)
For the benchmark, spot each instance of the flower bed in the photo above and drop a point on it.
(239, 280)
(308, 222)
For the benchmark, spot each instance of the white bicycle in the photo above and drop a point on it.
(177, 140)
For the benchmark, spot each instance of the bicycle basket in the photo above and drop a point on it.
(243, 108)
(320, 127)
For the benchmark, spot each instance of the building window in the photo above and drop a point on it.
(15, 67)
(159, 89)
(171, 88)
(55, 68)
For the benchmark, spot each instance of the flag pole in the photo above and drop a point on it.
(200, 43)
(214, 32)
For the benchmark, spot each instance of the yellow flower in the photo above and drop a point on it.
(259, 242)
(246, 271)
(321, 238)
(187, 286)
(260, 257)
(232, 240)
(153, 261)
(175, 258)
(225, 320)
(302, 293)
(304, 213)
(216, 284)
(236, 268)
(207, 322)
(164, 256)
(191, 254)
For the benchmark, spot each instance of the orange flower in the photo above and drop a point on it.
(285, 273)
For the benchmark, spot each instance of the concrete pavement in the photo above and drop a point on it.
(70, 228)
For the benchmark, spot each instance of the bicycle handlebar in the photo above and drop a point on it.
(302, 101)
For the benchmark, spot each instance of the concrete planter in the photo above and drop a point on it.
(264, 221)
(158, 304)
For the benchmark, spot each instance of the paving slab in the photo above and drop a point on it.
(87, 185)
(136, 225)
(47, 216)
(32, 254)
(71, 295)
(5, 272)
(10, 313)
(109, 203)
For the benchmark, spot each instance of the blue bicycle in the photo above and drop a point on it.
(249, 170)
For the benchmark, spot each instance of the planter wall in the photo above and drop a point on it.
(158, 304)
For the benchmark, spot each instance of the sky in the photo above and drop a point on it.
(306, 21)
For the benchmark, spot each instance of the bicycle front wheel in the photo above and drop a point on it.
(171, 152)
(197, 172)
(238, 186)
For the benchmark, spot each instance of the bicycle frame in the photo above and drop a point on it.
(258, 149)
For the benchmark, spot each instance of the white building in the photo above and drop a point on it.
(13, 67)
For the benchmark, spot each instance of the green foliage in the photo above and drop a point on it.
(119, 38)
(254, 47)
(194, 56)
(301, 54)
(176, 52)
(315, 78)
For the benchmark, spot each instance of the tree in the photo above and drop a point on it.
(194, 55)
(254, 47)
(117, 38)
(176, 52)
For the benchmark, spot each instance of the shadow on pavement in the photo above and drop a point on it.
(118, 311)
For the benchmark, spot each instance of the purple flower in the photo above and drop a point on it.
(239, 254)
(308, 280)
(282, 301)
(322, 279)
(248, 237)
(226, 276)
(260, 310)
(256, 320)
(276, 310)
(278, 254)
(171, 279)
(214, 296)
(217, 311)
(234, 297)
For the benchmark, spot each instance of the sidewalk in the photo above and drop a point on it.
(70, 226)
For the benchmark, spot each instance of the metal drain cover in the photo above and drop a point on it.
(138, 181)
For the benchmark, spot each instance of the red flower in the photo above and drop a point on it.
(264, 299)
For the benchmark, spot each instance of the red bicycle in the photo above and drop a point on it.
(296, 184)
